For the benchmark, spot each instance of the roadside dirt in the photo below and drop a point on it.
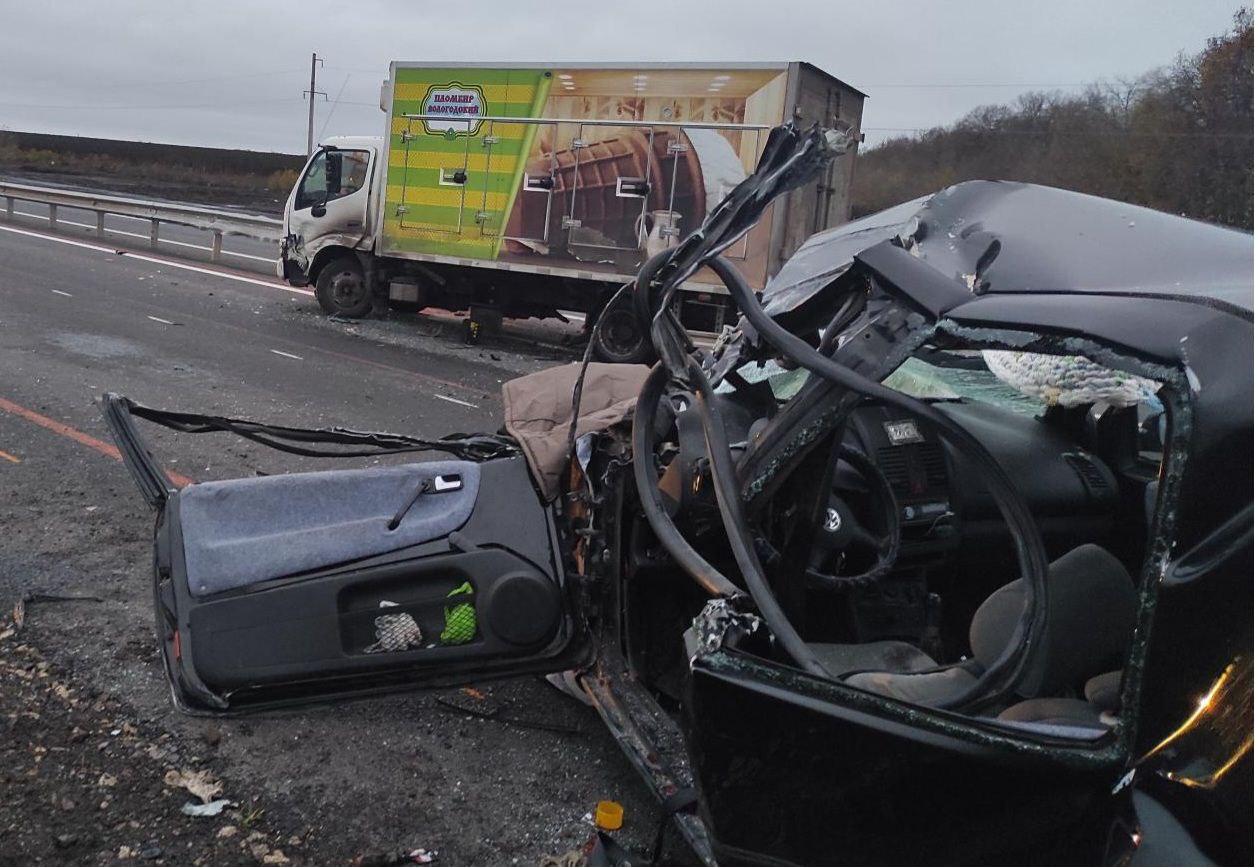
(84, 782)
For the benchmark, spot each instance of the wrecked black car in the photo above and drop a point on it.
(941, 555)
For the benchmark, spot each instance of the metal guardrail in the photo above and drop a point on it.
(208, 219)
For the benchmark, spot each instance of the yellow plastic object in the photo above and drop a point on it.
(608, 816)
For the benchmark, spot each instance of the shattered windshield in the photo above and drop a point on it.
(967, 377)
(1022, 382)
(784, 382)
(915, 377)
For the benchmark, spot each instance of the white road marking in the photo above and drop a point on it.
(702, 339)
(270, 259)
(287, 354)
(269, 284)
(145, 237)
(159, 319)
(72, 243)
(450, 399)
(59, 292)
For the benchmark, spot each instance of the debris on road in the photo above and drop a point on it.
(599, 851)
(574, 858)
(199, 783)
(212, 808)
(20, 606)
(474, 703)
(608, 816)
(392, 859)
(65, 743)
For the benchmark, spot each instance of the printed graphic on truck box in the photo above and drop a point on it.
(639, 159)
(457, 103)
(451, 181)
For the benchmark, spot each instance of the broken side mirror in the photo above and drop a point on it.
(335, 172)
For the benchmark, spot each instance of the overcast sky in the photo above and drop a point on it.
(230, 74)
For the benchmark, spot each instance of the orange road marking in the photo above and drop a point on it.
(78, 436)
(8, 457)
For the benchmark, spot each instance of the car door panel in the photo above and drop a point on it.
(305, 586)
(479, 596)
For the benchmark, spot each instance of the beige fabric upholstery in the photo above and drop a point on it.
(1054, 711)
(1092, 606)
(538, 412)
(927, 689)
(896, 656)
(1103, 691)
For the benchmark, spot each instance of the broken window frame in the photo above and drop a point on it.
(718, 625)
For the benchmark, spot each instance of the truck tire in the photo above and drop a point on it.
(341, 289)
(618, 338)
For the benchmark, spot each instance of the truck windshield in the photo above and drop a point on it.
(332, 174)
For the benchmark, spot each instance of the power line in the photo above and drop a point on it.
(355, 69)
(1066, 133)
(979, 84)
(212, 79)
(335, 102)
(142, 106)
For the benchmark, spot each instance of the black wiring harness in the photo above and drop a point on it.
(468, 447)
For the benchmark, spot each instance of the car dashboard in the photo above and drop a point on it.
(941, 497)
(954, 544)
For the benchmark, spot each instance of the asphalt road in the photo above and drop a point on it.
(78, 318)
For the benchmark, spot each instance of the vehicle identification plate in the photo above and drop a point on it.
(902, 432)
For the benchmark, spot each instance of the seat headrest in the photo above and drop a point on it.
(1091, 610)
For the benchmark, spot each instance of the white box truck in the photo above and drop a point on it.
(520, 190)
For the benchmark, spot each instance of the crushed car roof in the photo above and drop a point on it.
(1002, 237)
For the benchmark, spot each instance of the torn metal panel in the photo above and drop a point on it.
(1022, 238)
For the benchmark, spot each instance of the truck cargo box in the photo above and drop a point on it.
(584, 171)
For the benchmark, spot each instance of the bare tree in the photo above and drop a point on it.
(1178, 139)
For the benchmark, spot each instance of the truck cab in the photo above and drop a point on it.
(330, 217)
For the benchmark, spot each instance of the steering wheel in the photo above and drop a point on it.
(841, 531)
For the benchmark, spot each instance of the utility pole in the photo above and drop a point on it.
(313, 91)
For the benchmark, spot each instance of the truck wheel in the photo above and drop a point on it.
(341, 289)
(618, 338)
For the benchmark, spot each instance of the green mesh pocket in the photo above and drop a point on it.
(459, 620)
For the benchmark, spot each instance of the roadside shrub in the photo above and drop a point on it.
(1177, 139)
(282, 181)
